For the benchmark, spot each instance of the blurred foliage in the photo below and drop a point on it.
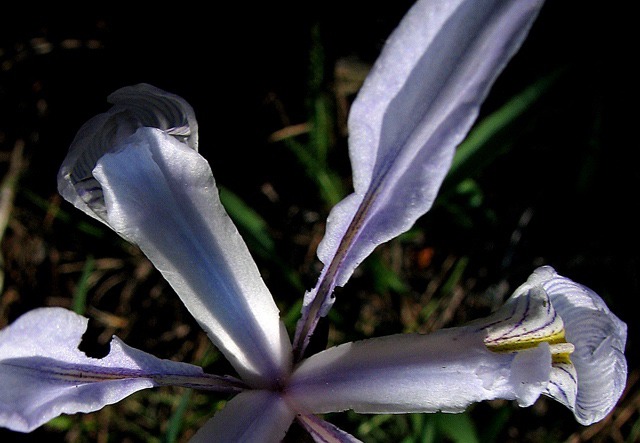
(547, 175)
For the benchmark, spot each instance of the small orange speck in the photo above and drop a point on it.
(425, 256)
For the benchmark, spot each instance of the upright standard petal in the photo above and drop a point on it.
(44, 374)
(136, 169)
(250, 417)
(415, 107)
(599, 338)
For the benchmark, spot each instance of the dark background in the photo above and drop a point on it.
(245, 69)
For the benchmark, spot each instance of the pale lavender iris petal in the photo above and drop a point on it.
(251, 417)
(134, 107)
(444, 371)
(44, 374)
(324, 432)
(160, 194)
(599, 338)
(415, 107)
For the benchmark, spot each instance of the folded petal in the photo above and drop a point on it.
(599, 338)
(134, 107)
(151, 186)
(44, 374)
(250, 417)
(415, 107)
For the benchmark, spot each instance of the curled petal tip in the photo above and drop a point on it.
(135, 106)
(552, 337)
(599, 338)
(136, 169)
(154, 108)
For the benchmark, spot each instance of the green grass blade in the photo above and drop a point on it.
(79, 304)
(476, 150)
(458, 428)
(93, 229)
(248, 220)
(255, 231)
(175, 424)
(329, 184)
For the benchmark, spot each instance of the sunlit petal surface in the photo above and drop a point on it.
(44, 374)
(444, 371)
(415, 107)
(160, 194)
(552, 337)
(250, 417)
(136, 169)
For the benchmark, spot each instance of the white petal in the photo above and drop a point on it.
(443, 371)
(563, 386)
(250, 417)
(417, 104)
(599, 338)
(530, 374)
(44, 374)
(160, 194)
(134, 107)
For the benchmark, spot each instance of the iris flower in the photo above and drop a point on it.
(136, 169)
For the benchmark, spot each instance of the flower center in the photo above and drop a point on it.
(524, 322)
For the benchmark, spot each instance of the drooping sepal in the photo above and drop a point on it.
(444, 371)
(552, 337)
(44, 374)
